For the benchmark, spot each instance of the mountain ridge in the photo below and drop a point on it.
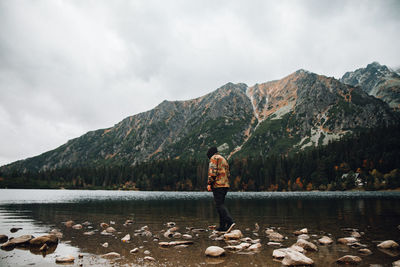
(300, 110)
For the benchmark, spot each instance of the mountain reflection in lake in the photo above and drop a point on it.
(377, 214)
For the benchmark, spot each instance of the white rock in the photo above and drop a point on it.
(275, 237)
(214, 251)
(294, 258)
(356, 234)
(177, 235)
(325, 240)
(146, 252)
(279, 253)
(388, 244)
(105, 245)
(396, 263)
(302, 231)
(274, 244)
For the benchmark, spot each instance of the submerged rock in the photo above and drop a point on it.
(294, 258)
(65, 259)
(186, 236)
(214, 251)
(388, 244)
(44, 239)
(349, 259)
(111, 255)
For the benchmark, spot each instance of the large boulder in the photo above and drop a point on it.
(214, 251)
(44, 239)
(294, 258)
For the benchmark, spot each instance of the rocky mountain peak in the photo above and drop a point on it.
(377, 80)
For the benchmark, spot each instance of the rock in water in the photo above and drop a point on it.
(105, 245)
(347, 240)
(235, 234)
(23, 239)
(89, 233)
(294, 258)
(306, 245)
(15, 229)
(65, 259)
(3, 238)
(365, 251)
(325, 240)
(111, 255)
(302, 231)
(255, 247)
(110, 229)
(275, 237)
(349, 259)
(77, 226)
(135, 250)
(104, 225)
(44, 239)
(214, 251)
(148, 258)
(126, 238)
(388, 244)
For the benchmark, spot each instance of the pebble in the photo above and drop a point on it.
(186, 236)
(365, 251)
(302, 231)
(105, 245)
(110, 229)
(89, 233)
(234, 234)
(347, 240)
(15, 229)
(274, 244)
(146, 252)
(126, 238)
(104, 225)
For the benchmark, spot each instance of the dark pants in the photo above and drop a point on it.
(225, 218)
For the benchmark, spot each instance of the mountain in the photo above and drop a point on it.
(301, 110)
(377, 80)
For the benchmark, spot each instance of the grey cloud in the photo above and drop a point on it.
(67, 67)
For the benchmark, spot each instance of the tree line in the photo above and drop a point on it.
(367, 160)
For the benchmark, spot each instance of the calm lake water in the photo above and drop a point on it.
(376, 214)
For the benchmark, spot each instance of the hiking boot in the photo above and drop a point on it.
(230, 227)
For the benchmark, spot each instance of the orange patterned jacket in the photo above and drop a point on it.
(218, 171)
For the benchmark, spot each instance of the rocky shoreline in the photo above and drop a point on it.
(216, 246)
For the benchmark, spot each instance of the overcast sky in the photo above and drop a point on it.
(68, 67)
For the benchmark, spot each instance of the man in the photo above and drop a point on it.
(218, 183)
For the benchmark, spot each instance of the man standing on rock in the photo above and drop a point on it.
(218, 183)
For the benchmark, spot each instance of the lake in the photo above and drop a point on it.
(376, 215)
